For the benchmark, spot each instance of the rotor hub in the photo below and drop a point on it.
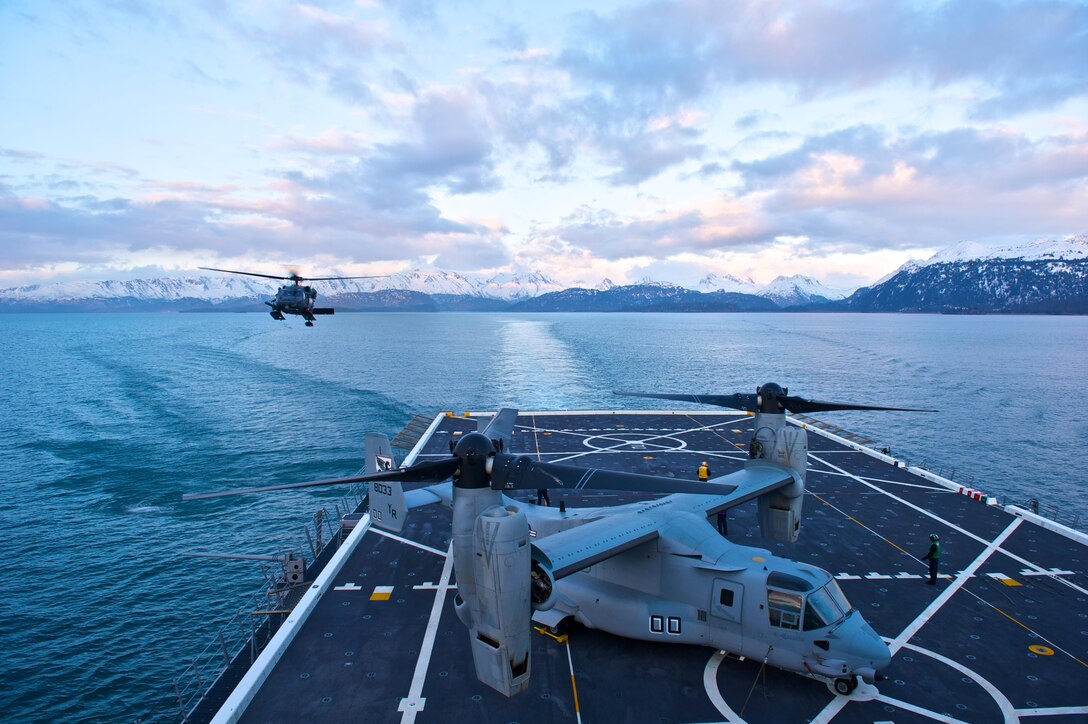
(767, 398)
(474, 450)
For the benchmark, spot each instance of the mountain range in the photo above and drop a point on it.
(1041, 276)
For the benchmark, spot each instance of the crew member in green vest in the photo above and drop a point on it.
(934, 558)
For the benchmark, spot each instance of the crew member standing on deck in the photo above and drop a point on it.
(723, 523)
(542, 497)
(934, 558)
(704, 472)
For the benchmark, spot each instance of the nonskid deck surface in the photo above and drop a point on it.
(1004, 634)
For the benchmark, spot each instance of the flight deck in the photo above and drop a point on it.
(1003, 636)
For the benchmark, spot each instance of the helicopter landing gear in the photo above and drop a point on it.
(309, 324)
(277, 315)
(846, 686)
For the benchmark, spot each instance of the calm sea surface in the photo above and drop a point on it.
(107, 419)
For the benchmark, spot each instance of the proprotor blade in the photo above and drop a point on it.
(501, 426)
(433, 471)
(520, 472)
(737, 401)
(801, 405)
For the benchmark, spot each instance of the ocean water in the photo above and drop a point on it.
(107, 419)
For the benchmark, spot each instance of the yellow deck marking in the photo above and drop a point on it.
(1010, 582)
(544, 630)
(1041, 650)
(647, 457)
(381, 593)
(758, 559)
(739, 432)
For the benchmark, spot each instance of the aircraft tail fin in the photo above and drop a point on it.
(387, 508)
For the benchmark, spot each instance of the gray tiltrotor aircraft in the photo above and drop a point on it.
(294, 298)
(654, 570)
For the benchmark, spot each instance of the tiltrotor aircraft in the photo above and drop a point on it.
(654, 570)
(293, 298)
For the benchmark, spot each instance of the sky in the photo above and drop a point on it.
(619, 140)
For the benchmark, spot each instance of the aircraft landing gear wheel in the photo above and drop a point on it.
(846, 686)
(309, 324)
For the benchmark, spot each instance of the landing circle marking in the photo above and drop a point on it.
(621, 440)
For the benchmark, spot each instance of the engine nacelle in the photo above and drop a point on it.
(500, 614)
(780, 511)
(542, 586)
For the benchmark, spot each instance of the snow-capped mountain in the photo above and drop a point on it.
(519, 286)
(210, 288)
(1075, 247)
(1045, 275)
(715, 282)
(798, 290)
(221, 288)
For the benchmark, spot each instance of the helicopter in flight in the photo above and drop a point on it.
(294, 298)
(653, 570)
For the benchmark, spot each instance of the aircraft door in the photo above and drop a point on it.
(727, 599)
(727, 613)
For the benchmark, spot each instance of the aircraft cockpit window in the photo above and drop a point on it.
(788, 581)
(821, 611)
(826, 607)
(784, 608)
(838, 597)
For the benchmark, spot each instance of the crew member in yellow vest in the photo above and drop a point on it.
(704, 472)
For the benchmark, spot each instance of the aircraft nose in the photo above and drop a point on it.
(870, 648)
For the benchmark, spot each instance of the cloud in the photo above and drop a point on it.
(332, 141)
(1030, 54)
(723, 223)
(314, 46)
(867, 187)
(373, 204)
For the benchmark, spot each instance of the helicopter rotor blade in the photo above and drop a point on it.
(736, 401)
(328, 279)
(801, 405)
(248, 274)
(433, 471)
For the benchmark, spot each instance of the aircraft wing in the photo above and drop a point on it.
(580, 547)
(757, 478)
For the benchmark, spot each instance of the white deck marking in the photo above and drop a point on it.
(831, 710)
(953, 526)
(414, 703)
(387, 534)
(947, 593)
(622, 443)
(918, 710)
(933, 487)
(350, 586)
(710, 683)
(1053, 711)
(999, 698)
